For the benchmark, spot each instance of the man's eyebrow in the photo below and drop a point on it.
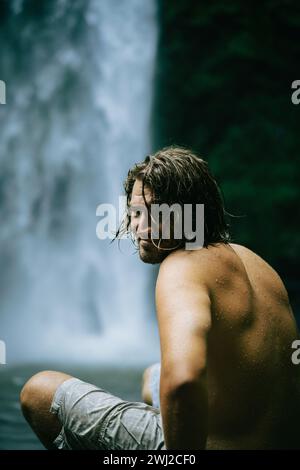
(144, 202)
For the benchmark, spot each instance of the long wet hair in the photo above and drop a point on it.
(177, 175)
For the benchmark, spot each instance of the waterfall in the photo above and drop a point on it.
(79, 80)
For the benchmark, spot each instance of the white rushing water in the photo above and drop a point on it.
(79, 92)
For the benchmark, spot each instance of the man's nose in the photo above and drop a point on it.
(140, 225)
(143, 229)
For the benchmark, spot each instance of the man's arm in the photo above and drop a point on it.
(184, 320)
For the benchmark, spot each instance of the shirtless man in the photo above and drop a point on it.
(226, 331)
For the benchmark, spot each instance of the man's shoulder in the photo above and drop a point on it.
(200, 265)
(213, 255)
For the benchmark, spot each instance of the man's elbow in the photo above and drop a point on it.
(176, 383)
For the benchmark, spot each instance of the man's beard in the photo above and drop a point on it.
(149, 253)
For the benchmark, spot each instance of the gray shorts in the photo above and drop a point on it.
(154, 384)
(92, 418)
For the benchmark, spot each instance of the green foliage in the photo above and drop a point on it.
(224, 79)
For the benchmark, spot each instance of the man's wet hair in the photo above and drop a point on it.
(177, 175)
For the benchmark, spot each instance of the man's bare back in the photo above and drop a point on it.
(252, 384)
